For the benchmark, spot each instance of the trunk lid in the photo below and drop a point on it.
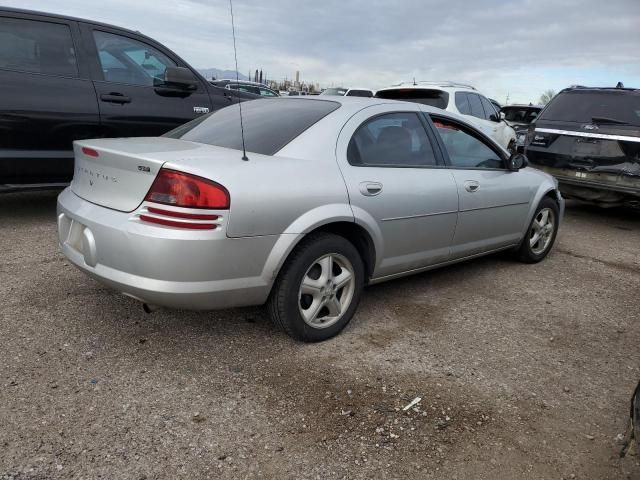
(117, 173)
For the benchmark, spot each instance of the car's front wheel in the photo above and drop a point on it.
(541, 233)
(319, 288)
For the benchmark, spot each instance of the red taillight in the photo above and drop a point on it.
(185, 190)
(90, 152)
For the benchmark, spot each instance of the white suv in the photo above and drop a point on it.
(458, 98)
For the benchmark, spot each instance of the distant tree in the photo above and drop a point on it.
(546, 97)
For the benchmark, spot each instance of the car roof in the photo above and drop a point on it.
(522, 105)
(574, 88)
(23, 11)
(446, 86)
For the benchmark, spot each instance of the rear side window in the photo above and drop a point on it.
(426, 96)
(269, 124)
(582, 106)
(391, 140)
(39, 47)
(464, 149)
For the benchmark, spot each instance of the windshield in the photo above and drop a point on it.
(435, 98)
(335, 91)
(268, 124)
(582, 106)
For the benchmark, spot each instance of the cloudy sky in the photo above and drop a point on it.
(517, 47)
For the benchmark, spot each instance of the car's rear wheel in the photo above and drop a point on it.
(541, 233)
(318, 289)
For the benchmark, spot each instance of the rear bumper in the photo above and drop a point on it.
(164, 266)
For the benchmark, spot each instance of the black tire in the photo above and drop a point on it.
(284, 304)
(525, 252)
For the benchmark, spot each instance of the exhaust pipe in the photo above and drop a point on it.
(149, 308)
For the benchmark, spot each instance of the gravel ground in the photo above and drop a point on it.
(524, 371)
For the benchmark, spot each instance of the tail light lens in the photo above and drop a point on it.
(184, 190)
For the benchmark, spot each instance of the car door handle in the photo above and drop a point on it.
(471, 186)
(370, 189)
(115, 97)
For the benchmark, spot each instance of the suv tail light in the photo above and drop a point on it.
(185, 190)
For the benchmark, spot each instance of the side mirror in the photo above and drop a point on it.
(517, 161)
(180, 77)
(502, 116)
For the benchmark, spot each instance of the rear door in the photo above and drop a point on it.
(494, 202)
(128, 75)
(396, 176)
(46, 98)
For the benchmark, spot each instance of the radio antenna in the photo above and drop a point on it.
(235, 55)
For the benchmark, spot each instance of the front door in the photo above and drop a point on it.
(46, 99)
(395, 175)
(494, 202)
(129, 85)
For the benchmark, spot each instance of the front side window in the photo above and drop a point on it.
(489, 109)
(38, 47)
(124, 60)
(265, 92)
(391, 140)
(476, 105)
(464, 149)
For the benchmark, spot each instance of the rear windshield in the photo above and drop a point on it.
(360, 93)
(269, 124)
(334, 91)
(520, 114)
(435, 98)
(584, 106)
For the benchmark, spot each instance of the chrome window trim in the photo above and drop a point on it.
(604, 136)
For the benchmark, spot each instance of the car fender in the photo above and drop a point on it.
(296, 231)
(543, 189)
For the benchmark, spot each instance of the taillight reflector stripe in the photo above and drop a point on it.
(190, 216)
(173, 223)
(90, 152)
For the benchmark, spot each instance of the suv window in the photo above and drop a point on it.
(581, 106)
(433, 97)
(489, 109)
(125, 60)
(265, 92)
(360, 93)
(39, 47)
(520, 114)
(464, 149)
(476, 105)
(287, 118)
(462, 103)
(391, 140)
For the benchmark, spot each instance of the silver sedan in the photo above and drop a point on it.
(333, 194)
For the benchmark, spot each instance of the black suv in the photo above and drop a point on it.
(589, 139)
(65, 79)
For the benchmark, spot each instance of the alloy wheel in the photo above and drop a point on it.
(326, 290)
(541, 232)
